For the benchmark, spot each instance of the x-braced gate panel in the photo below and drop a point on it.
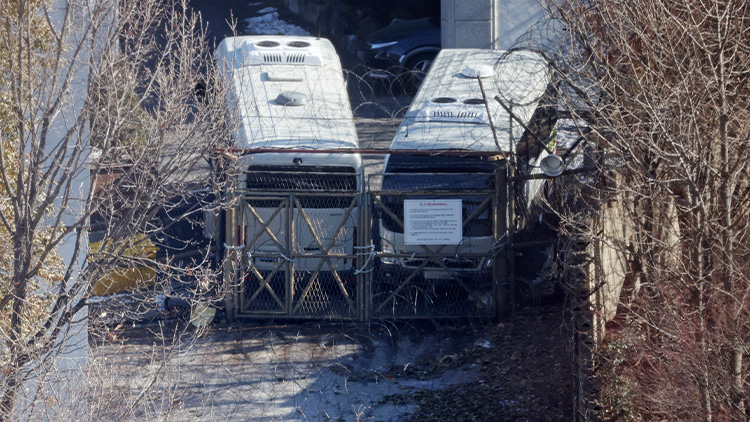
(297, 256)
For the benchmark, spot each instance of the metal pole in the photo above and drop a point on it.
(500, 224)
(290, 239)
(512, 217)
(364, 278)
(230, 260)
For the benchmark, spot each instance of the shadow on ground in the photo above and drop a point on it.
(419, 371)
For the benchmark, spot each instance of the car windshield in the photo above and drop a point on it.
(412, 163)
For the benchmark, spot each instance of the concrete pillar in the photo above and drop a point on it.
(489, 24)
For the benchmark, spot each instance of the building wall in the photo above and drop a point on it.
(490, 24)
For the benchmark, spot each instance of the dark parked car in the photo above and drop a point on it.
(403, 51)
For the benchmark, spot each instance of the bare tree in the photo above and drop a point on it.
(106, 91)
(664, 88)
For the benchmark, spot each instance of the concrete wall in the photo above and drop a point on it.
(490, 24)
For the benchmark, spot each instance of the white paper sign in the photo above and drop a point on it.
(432, 222)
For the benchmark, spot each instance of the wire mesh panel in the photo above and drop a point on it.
(324, 280)
(325, 294)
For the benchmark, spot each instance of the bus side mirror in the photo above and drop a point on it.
(552, 165)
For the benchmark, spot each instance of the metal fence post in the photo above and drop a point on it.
(231, 258)
(291, 277)
(500, 224)
(364, 277)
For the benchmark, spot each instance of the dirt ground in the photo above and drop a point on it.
(516, 370)
(525, 376)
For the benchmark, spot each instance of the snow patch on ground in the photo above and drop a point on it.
(269, 23)
(485, 344)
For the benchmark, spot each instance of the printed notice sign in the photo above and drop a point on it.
(432, 222)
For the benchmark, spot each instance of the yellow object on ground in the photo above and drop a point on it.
(123, 278)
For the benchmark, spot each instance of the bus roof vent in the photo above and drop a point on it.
(444, 100)
(478, 70)
(298, 44)
(268, 44)
(291, 98)
(271, 51)
(452, 112)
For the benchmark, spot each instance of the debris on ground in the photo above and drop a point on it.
(525, 375)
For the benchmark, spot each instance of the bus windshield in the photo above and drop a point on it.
(416, 176)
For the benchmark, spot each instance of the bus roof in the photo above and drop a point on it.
(448, 111)
(289, 92)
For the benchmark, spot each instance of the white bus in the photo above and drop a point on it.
(290, 97)
(449, 114)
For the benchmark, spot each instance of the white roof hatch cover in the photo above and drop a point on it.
(292, 52)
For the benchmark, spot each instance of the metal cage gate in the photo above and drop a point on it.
(290, 256)
(286, 257)
(463, 280)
